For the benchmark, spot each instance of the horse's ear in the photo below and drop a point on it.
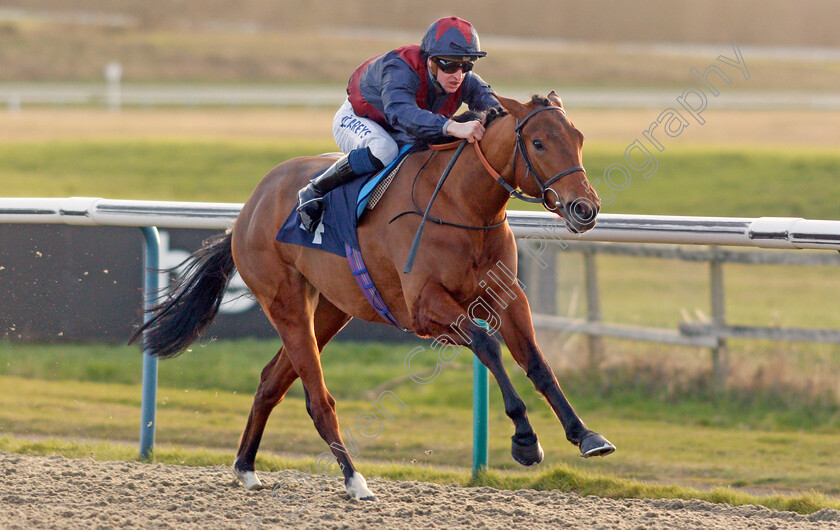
(516, 108)
(555, 99)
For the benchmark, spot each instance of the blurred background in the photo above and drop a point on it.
(195, 100)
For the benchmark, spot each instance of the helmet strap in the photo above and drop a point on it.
(433, 71)
(432, 67)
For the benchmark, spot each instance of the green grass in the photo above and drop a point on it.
(670, 386)
(721, 181)
(672, 436)
(219, 171)
(744, 182)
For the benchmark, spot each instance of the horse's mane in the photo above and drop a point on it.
(497, 112)
(541, 101)
(487, 115)
(492, 114)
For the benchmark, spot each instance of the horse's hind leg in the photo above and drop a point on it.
(292, 317)
(525, 448)
(277, 376)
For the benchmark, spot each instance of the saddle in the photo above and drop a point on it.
(337, 233)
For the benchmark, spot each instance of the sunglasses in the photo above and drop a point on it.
(450, 67)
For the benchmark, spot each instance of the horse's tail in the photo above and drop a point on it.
(192, 303)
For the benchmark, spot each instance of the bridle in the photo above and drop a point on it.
(520, 148)
(541, 183)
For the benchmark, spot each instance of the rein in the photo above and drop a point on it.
(415, 245)
(522, 151)
(417, 211)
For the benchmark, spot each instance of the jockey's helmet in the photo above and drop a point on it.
(451, 37)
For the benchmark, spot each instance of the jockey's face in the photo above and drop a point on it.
(449, 82)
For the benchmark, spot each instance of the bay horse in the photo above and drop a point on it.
(309, 295)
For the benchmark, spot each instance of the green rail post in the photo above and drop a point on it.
(148, 403)
(480, 413)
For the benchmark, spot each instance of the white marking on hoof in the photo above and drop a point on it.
(357, 488)
(248, 479)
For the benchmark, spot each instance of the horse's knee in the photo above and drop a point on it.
(323, 417)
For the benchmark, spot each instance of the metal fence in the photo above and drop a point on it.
(710, 332)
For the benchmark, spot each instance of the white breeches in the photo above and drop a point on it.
(355, 132)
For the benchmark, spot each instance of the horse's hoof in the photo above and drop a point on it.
(595, 445)
(527, 455)
(357, 488)
(247, 478)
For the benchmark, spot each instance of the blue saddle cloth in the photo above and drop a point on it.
(343, 207)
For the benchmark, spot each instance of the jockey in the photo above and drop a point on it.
(406, 96)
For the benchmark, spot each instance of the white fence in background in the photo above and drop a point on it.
(18, 95)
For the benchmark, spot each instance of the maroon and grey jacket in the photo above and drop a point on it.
(397, 91)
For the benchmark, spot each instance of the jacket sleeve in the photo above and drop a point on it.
(477, 94)
(399, 92)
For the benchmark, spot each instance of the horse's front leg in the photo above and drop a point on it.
(439, 319)
(517, 331)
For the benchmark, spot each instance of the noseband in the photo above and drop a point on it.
(542, 184)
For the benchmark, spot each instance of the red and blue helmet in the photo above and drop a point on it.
(451, 37)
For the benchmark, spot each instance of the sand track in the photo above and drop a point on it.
(56, 492)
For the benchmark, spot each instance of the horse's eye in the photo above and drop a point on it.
(538, 145)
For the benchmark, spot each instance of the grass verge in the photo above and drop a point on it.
(666, 435)
(560, 478)
(745, 181)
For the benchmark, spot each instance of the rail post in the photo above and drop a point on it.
(481, 408)
(593, 306)
(481, 392)
(148, 404)
(720, 364)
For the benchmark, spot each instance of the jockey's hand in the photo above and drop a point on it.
(472, 131)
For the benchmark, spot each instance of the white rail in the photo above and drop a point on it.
(17, 95)
(762, 232)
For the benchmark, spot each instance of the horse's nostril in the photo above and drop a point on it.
(583, 212)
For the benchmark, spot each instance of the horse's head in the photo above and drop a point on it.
(547, 161)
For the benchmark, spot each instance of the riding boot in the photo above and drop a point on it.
(311, 198)
(357, 163)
